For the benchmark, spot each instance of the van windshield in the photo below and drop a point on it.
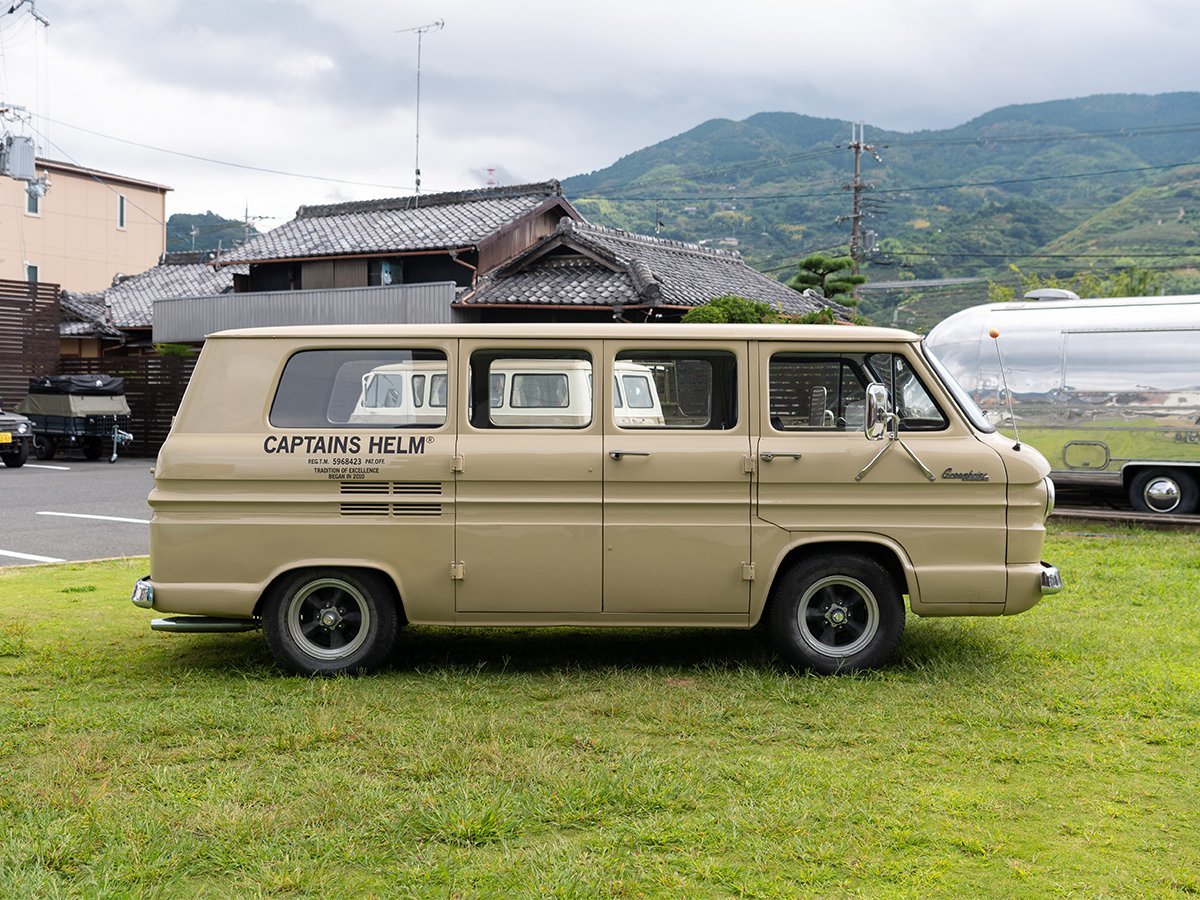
(969, 407)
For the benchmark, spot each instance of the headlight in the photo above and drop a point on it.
(1049, 496)
(22, 428)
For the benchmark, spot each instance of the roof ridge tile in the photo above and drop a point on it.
(551, 188)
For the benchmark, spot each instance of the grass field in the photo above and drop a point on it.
(1050, 754)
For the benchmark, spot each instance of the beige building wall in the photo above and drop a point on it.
(87, 228)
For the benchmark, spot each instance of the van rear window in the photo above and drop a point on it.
(392, 388)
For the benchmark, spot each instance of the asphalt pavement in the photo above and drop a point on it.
(74, 509)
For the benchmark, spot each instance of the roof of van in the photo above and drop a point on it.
(831, 333)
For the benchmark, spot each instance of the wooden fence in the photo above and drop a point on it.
(29, 315)
(154, 386)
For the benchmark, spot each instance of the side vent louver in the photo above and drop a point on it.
(400, 508)
(391, 488)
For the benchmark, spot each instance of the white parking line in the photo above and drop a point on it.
(44, 466)
(29, 556)
(101, 518)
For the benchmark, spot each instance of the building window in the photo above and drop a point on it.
(33, 204)
(120, 210)
(31, 272)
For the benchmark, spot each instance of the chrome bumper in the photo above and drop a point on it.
(1051, 579)
(143, 594)
(203, 625)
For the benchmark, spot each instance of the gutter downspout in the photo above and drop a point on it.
(467, 265)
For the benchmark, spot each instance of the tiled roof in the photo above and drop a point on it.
(588, 265)
(429, 222)
(83, 315)
(129, 303)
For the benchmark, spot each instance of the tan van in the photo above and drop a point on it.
(811, 476)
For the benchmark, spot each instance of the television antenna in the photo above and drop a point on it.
(420, 31)
(32, 11)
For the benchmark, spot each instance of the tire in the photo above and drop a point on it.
(834, 614)
(17, 457)
(1164, 492)
(44, 446)
(93, 447)
(361, 627)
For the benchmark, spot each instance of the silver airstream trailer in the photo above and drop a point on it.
(1108, 390)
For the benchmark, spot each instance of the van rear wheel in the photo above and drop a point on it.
(836, 614)
(331, 622)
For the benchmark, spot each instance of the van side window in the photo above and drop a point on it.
(418, 390)
(531, 389)
(915, 409)
(678, 388)
(357, 388)
(817, 392)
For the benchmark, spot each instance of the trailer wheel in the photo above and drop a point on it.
(44, 446)
(836, 614)
(93, 448)
(330, 622)
(1164, 492)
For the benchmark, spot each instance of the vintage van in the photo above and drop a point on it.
(812, 477)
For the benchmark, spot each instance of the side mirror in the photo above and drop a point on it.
(878, 412)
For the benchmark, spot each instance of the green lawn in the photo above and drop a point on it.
(1050, 754)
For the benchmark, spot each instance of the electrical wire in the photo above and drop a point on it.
(221, 162)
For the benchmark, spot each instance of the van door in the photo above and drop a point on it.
(677, 492)
(529, 486)
(813, 458)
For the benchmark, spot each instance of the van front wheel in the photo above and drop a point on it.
(330, 622)
(837, 614)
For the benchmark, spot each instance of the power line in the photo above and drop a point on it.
(222, 162)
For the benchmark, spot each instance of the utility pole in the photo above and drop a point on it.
(859, 145)
(420, 32)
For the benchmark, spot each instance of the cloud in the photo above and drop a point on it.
(534, 88)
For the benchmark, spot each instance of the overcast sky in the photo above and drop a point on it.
(533, 88)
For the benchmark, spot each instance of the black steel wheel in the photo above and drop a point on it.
(331, 622)
(838, 613)
(44, 446)
(1168, 492)
(16, 457)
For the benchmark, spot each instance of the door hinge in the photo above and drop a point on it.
(457, 571)
(748, 465)
(456, 463)
(747, 571)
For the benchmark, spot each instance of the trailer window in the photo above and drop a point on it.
(1128, 362)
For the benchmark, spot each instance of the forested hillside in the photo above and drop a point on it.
(1092, 184)
(205, 231)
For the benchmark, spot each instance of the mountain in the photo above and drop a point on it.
(1095, 183)
(205, 231)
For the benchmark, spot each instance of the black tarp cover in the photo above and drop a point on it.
(85, 385)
